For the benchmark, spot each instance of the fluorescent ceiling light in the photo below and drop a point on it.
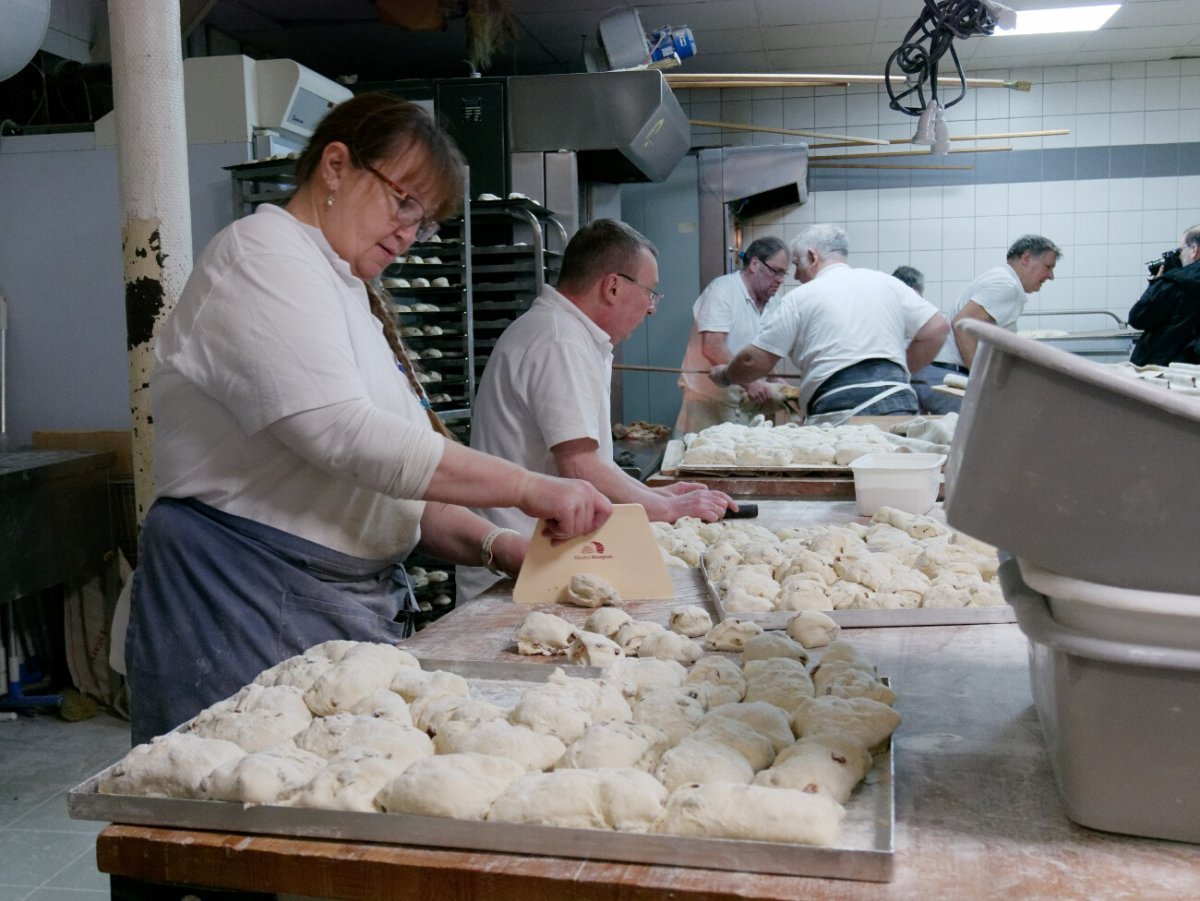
(1051, 21)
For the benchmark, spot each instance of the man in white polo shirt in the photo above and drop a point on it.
(998, 296)
(543, 401)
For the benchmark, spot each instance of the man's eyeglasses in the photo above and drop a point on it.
(778, 273)
(408, 211)
(656, 297)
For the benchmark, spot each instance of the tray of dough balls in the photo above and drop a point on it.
(765, 761)
(892, 569)
(790, 449)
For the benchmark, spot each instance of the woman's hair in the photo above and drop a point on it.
(763, 248)
(379, 127)
(604, 246)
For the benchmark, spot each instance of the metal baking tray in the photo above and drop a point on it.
(673, 462)
(870, 619)
(865, 853)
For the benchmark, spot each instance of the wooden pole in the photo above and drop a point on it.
(998, 136)
(796, 79)
(817, 164)
(888, 155)
(733, 126)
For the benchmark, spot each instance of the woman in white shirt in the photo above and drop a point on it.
(296, 459)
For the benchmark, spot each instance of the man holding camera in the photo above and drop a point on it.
(1168, 312)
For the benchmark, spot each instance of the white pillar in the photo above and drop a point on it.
(147, 63)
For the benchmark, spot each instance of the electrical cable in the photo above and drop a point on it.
(929, 39)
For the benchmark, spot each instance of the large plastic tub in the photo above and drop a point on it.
(1121, 722)
(1119, 614)
(1077, 469)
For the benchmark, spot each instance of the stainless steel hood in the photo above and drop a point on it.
(624, 126)
(738, 183)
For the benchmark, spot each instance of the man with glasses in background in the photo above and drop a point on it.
(854, 334)
(726, 317)
(544, 399)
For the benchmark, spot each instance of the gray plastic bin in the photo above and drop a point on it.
(1121, 722)
(1078, 469)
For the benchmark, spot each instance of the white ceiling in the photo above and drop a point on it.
(341, 37)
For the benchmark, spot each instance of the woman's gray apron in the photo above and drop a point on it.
(218, 598)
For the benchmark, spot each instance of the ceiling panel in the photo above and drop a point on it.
(342, 37)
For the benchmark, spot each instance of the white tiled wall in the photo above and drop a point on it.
(1107, 228)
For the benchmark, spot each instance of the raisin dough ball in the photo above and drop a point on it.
(543, 633)
(698, 762)
(773, 644)
(628, 800)
(613, 744)
(692, 621)
(753, 812)
(462, 786)
(590, 590)
(731, 634)
(812, 629)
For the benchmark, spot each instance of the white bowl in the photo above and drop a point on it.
(1118, 614)
(908, 482)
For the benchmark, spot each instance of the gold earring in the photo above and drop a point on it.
(331, 198)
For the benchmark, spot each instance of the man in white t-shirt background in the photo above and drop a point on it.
(725, 318)
(998, 296)
(852, 334)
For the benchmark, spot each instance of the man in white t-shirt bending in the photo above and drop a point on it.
(853, 334)
(543, 401)
(998, 296)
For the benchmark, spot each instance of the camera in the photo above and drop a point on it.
(1169, 260)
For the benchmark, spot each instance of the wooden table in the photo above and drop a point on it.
(977, 811)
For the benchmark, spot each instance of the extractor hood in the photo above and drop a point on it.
(739, 183)
(624, 126)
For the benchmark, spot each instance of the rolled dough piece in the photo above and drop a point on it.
(329, 736)
(592, 649)
(350, 781)
(773, 644)
(700, 762)
(754, 746)
(263, 777)
(384, 704)
(462, 786)
(552, 710)
(779, 681)
(169, 766)
(731, 634)
(606, 621)
(670, 710)
(871, 722)
(828, 764)
(765, 719)
(433, 710)
(543, 633)
(602, 698)
(844, 680)
(363, 669)
(532, 750)
(256, 718)
(670, 646)
(412, 684)
(812, 628)
(638, 676)
(719, 670)
(691, 621)
(753, 812)
(590, 590)
(613, 744)
(631, 635)
(624, 799)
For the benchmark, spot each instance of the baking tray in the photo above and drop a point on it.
(871, 619)
(673, 462)
(866, 852)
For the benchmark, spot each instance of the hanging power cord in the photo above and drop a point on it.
(927, 41)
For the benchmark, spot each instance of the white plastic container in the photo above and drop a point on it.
(1075, 468)
(1118, 614)
(1121, 722)
(908, 482)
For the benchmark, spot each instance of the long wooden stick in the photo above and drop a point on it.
(998, 136)
(883, 155)
(733, 126)
(633, 367)
(816, 164)
(796, 79)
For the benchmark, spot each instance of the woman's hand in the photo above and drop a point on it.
(570, 506)
(508, 552)
(704, 504)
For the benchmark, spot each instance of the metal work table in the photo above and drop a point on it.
(977, 811)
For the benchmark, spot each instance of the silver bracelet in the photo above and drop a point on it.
(485, 550)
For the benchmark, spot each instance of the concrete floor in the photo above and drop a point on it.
(44, 854)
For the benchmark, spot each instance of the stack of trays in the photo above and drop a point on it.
(1087, 480)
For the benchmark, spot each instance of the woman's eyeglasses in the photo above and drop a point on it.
(408, 210)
